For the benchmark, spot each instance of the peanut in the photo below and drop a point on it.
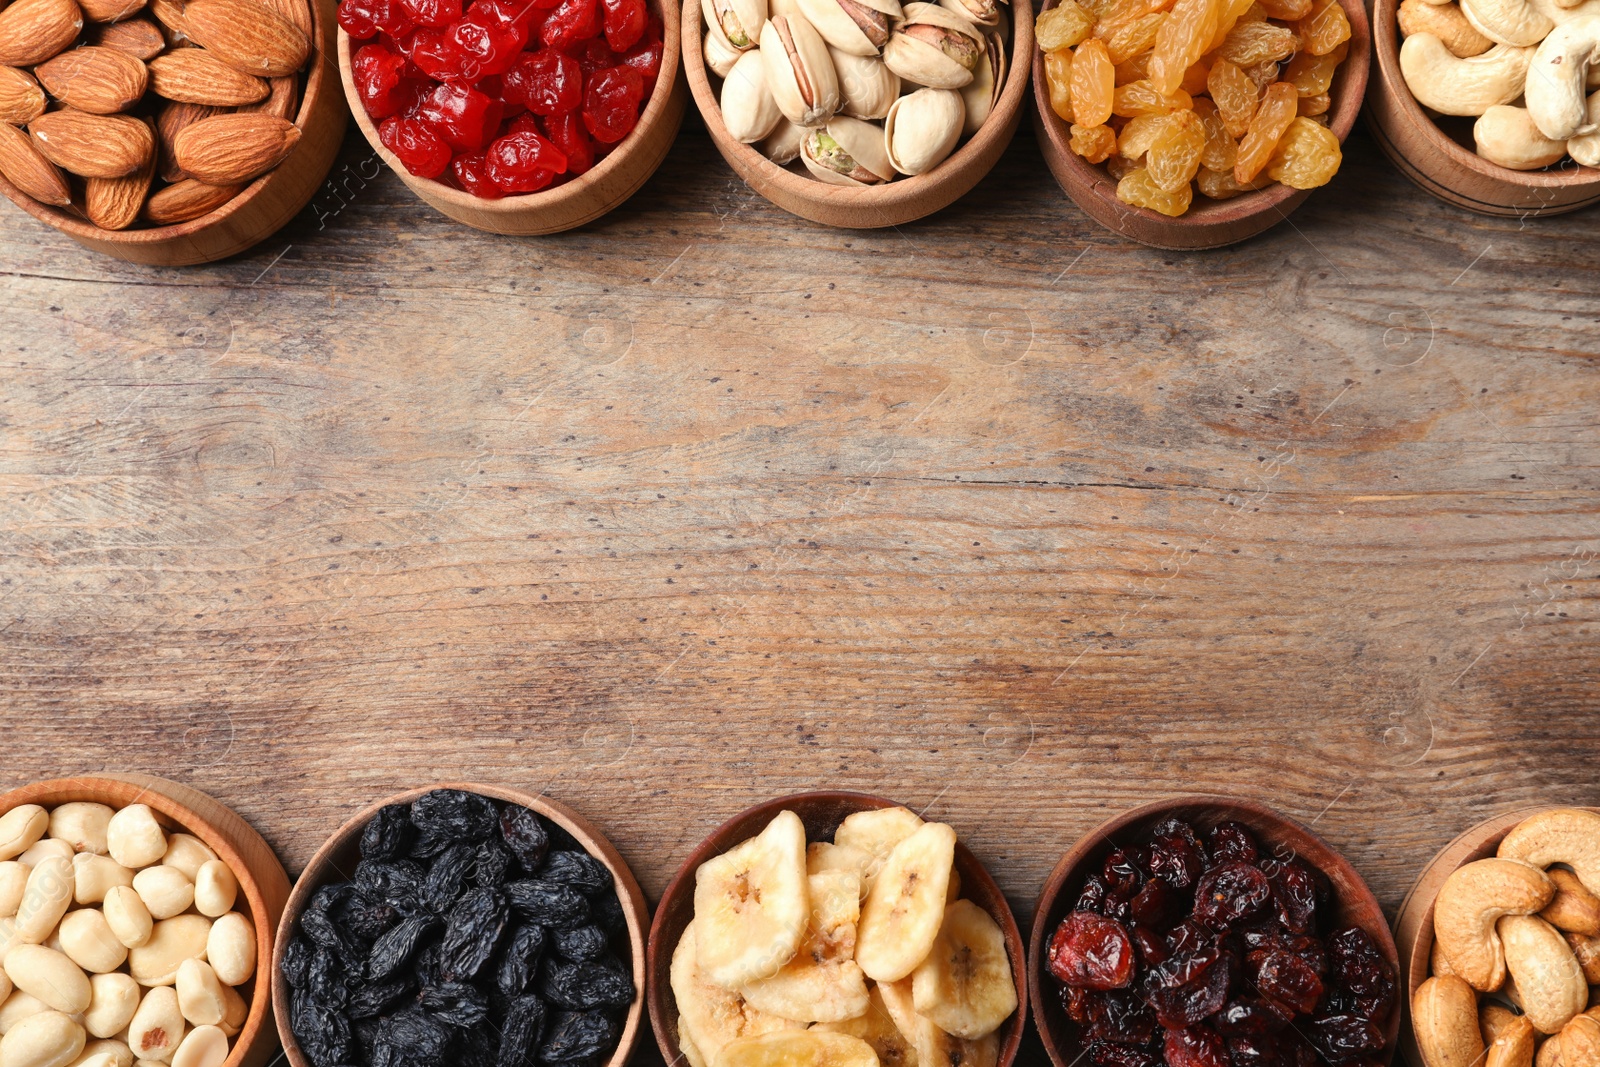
(157, 1026)
(20, 828)
(187, 853)
(49, 976)
(215, 889)
(87, 939)
(118, 1051)
(234, 1011)
(134, 837)
(205, 1046)
(200, 993)
(45, 899)
(156, 962)
(166, 891)
(93, 876)
(45, 846)
(13, 882)
(128, 917)
(48, 1039)
(81, 825)
(113, 998)
(231, 948)
(17, 1007)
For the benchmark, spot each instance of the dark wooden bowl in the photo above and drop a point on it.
(336, 861)
(895, 203)
(1447, 168)
(1207, 223)
(1413, 926)
(1277, 833)
(821, 812)
(587, 197)
(263, 883)
(260, 210)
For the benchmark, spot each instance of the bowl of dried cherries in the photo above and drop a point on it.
(462, 926)
(515, 116)
(1211, 932)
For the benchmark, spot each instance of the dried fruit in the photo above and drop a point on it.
(1233, 890)
(575, 1037)
(1130, 37)
(1063, 26)
(1220, 149)
(1181, 40)
(1141, 98)
(1272, 118)
(1326, 28)
(1173, 158)
(1258, 42)
(1093, 83)
(1058, 76)
(1092, 951)
(1094, 143)
(1235, 95)
(1307, 155)
(1221, 184)
(520, 828)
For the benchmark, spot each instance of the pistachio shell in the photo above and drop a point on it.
(799, 72)
(919, 60)
(843, 23)
(739, 20)
(782, 145)
(988, 79)
(720, 55)
(867, 88)
(863, 144)
(984, 13)
(923, 128)
(748, 109)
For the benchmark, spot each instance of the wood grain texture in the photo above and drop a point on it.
(998, 514)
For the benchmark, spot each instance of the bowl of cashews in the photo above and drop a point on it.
(1492, 105)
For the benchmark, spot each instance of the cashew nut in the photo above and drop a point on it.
(1454, 86)
(1514, 22)
(1513, 1045)
(1494, 1020)
(1444, 1017)
(1477, 894)
(1507, 136)
(1549, 1054)
(1580, 1042)
(1437, 963)
(1547, 974)
(1560, 835)
(1555, 97)
(1573, 909)
(1444, 21)
(1586, 949)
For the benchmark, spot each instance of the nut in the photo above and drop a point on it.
(1513, 22)
(1555, 96)
(1506, 135)
(101, 81)
(94, 146)
(849, 152)
(133, 836)
(1585, 149)
(23, 825)
(183, 937)
(113, 998)
(215, 889)
(867, 87)
(204, 1046)
(186, 200)
(94, 876)
(32, 31)
(737, 21)
(984, 13)
(157, 1026)
(14, 875)
(799, 72)
(230, 149)
(1513, 1042)
(48, 846)
(21, 99)
(1477, 894)
(185, 851)
(859, 27)
(49, 977)
(1444, 21)
(982, 96)
(1549, 980)
(1573, 909)
(114, 203)
(1549, 1054)
(782, 145)
(28, 170)
(82, 824)
(110, 11)
(195, 76)
(933, 47)
(125, 912)
(1453, 86)
(1444, 1017)
(166, 891)
(748, 109)
(231, 948)
(923, 128)
(139, 38)
(1580, 1042)
(200, 995)
(247, 35)
(45, 900)
(87, 940)
(1494, 1020)
(47, 1039)
(281, 102)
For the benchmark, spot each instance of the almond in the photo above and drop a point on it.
(247, 35)
(99, 80)
(110, 10)
(114, 203)
(281, 103)
(229, 149)
(32, 31)
(93, 146)
(187, 200)
(195, 76)
(173, 120)
(295, 11)
(170, 14)
(139, 38)
(21, 99)
(29, 171)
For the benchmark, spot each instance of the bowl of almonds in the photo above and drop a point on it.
(167, 132)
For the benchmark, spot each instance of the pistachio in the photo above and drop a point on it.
(985, 13)
(739, 20)
(934, 48)
(748, 109)
(867, 88)
(799, 73)
(720, 55)
(782, 145)
(988, 79)
(859, 27)
(848, 152)
(923, 128)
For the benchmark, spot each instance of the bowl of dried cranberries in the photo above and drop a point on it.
(1211, 932)
(515, 116)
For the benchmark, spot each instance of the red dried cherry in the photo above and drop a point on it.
(545, 82)
(624, 21)
(567, 133)
(572, 22)
(1232, 842)
(1195, 1046)
(362, 19)
(487, 45)
(1229, 892)
(419, 148)
(593, 56)
(434, 54)
(611, 105)
(381, 82)
(464, 117)
(434, 13)
(524, 162)
(470, 173)
(645, 57)
(1079, 1003)
(1186, 989)
(1290, 981)
(1092, 951)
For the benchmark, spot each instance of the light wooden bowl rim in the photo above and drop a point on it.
(173, 800)
(1386, 43)
(671, 918)
(547, 200)
(1413, 924)
(1269, 825)
(348, 836)
(1092, 180)
(892, 199)
(318, 79)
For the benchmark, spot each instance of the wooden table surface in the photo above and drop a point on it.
(996, 514)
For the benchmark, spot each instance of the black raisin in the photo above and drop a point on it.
(519, 959)
(578, 1035)
(524, 834)
(425, 965)
(393, 949)
(389, 833)
(325, 980)
(455, 1003)
(329, 897)
(323, 1033)
(453, 814)
(447, 877)
(581, 944)
(582, 986)
(491, 864)
(476, 1047)
(296, 961)
(547, 903)
(376, 998)
(578, 869)
(398, 884)
(416, 1037)
(519, 1037)
(366, 920)
(606, 911)
(472, 930)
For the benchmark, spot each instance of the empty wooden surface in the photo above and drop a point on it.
(996, 514)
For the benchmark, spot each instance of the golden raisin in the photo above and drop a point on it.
(1182, 39)
(1093, 82)
(1127, 38)
(1313, 75)
(1119, 167)
(1141, 98)
(1194, 79)
(1063, 26)
(1235, 95)
(1135, 69)
(1221, 184)
(1175, 153)
(1140, 190)
(1263, 73)
(1094, 143)
(1221, 149)
(1276, 112)
(1288, 10)
(1257, 42)
(1307, 155)
(1058, 76)
(1233, 12)
(1139, 134)
(1315, 105)
(1325, 29)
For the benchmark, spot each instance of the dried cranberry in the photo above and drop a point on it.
(1254, 1050)
(1122, 1018)
(381, 82)
(1358, 963)
(523, 162)
(471, 174)
(1195, 1046)
(1187, 989)
(1156, 904)
(1345, 1038)
(1093, 895)
(1125, 867)
(545, 82)
(1189, 937)
(611, 103)
(464, 117)
(1229, 892)
(1079, 1003)
(1109, 1054)
(572, 22)
(566, 132)
(645, 57)
(1151, 945)
(1093, 951)
(1294, 893)
(1176, 856)
(487, 45)
(421, 150)
(1251, 1015)
(1289, 980)
(436, 55)
(1232, 842)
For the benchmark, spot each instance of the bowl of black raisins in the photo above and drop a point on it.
(1207, 931)
(462, 926)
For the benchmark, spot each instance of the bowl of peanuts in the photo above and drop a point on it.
(1190, 124)
(137, 917)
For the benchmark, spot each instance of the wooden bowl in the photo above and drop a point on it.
(263, 208)
(263, 884)
(1413, 926)
(603, 187)
(821, 812)
(1278, 834)
(1208, 223)
(893, 203)
(1449, 168)
(336, 861)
